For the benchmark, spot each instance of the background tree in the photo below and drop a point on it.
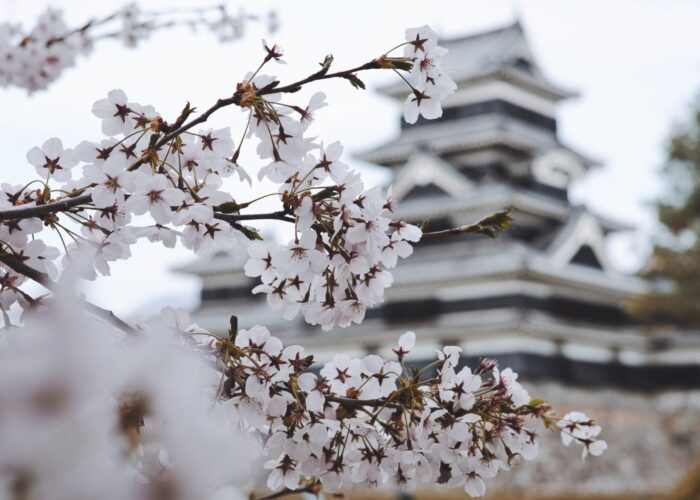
(675, 262)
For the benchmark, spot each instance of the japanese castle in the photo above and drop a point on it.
(542, 298)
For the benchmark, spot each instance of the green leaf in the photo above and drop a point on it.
(403, 65)
(355, 81)
(248, 232)
(492, 225)
(229, 207)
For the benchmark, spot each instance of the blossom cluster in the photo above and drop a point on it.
(124, 176)
(35, 58)
(345, 238)
(371, 421)
(337, 265)
(578, 427)
(430, 84)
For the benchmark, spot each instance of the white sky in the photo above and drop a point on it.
(635, 63)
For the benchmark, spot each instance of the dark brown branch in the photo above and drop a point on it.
(220, 103)
(68, 203)
(44, 280)
(282, 215)
(43, 210)
(294, 87)
(20, 267)
(353, 403)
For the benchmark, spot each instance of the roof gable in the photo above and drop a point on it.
(586, 256)
(423, 169)
(581, 241)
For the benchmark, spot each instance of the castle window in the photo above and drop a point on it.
(586, 257)
(523, 65)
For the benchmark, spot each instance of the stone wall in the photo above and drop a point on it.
(653, 451)
(653, 441)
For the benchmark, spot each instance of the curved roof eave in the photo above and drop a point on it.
(398, 91)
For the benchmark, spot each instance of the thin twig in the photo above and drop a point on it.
(294, 87)
(270, 89)
(491, 225)
(469, 229)
(92, 23)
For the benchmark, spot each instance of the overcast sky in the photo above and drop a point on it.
(635, 63)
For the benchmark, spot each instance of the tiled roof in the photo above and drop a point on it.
(480, 54)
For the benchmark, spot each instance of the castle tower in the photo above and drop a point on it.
(543, 297)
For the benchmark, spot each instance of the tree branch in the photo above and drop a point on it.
(82, 29)
(220, 103)
(44, 280)
(353, 403)
(42, 210)
(282, 215)
(109, 317)
(20, 267)
(236, 97)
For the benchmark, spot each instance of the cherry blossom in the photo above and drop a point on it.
(406, 343)
(114, 111)
(578, 427)
(153, 194)
(51, 160)
(429, 83)
(517, 393)
(40, 256)
(108, 179)
(33, 59)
